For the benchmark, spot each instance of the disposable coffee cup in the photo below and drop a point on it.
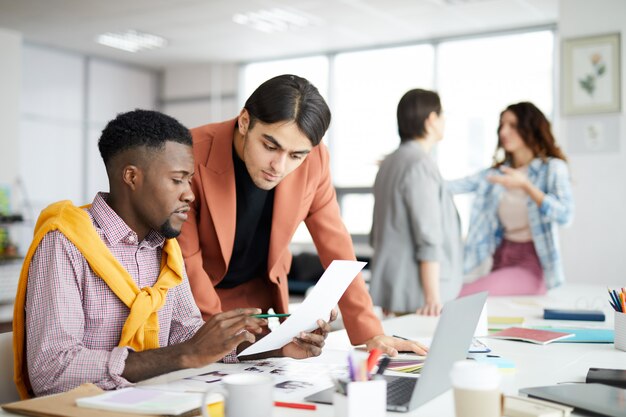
(247, 395)
(476, 389)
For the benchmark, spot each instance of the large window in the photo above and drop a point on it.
(475, 77)
(366, 89)
(313, 68)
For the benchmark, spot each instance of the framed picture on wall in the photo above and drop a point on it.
(591, 75)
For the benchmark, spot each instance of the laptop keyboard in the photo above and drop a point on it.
(399, 389)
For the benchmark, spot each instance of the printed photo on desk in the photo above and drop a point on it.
(293, 379)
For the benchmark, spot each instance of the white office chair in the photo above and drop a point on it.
(8, 392)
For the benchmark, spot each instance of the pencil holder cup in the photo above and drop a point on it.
(362, 398)
(620, 331)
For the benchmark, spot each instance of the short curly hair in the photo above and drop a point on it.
(148, 128)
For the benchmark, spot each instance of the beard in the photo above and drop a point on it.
(168, 231)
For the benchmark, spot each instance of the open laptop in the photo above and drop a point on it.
(450, 343)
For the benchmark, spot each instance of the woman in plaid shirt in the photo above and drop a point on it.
(519, 203)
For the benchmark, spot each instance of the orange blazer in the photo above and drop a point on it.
(306, 194)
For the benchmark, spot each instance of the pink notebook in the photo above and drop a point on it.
(541, 337)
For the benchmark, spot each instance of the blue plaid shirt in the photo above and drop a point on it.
(486, 230)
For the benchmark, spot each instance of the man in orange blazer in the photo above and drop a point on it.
(257, 177)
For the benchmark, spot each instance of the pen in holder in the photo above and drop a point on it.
(361, 398)
(363, 394)
(618, 302)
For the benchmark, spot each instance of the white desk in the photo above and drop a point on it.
(536, 365)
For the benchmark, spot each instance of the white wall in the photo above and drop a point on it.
(594, 247)
(67, 99)
(10, 75)
(200, 94)
(112, 88)
(51, 140)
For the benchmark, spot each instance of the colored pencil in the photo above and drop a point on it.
(295, 405)
(267, 316)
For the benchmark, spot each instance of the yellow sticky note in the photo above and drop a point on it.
(505, 320)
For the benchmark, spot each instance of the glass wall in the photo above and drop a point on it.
(313, 68)
(366, 89)
(476, 78)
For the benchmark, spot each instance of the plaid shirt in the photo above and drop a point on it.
(74, 321)
(486, 230)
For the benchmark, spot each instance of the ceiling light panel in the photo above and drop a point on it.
(131, 40)
(276, 20)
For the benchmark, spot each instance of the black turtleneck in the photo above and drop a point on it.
(252, 232)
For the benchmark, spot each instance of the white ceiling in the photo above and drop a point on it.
(203, 30)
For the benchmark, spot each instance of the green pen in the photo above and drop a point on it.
(267, 316)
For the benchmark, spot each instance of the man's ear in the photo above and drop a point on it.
(429, 122)
(131, 176)
(243, 122)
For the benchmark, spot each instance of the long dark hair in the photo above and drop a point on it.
(534, 128)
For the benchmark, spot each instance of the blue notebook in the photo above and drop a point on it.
(561, 314)
(584, 335)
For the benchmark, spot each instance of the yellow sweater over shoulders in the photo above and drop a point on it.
(141, 329)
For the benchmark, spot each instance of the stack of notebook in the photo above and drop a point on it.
(408, 365)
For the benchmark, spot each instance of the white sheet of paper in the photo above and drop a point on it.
(323, 297)
(145, 401)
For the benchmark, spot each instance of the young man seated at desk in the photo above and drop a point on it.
(105, 297)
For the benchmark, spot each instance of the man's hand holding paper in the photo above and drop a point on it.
(307, 345)
(293, 336)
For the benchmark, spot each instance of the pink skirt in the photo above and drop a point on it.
(516, 271)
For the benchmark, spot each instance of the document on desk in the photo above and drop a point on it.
(323, 297)
(294, 379)
(145, 401)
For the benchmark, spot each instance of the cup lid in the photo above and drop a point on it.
(246, 379)
(469, 374)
